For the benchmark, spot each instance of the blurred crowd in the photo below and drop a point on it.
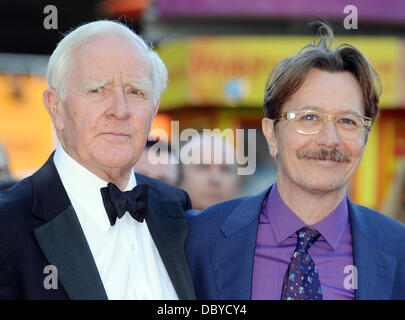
(206, 181)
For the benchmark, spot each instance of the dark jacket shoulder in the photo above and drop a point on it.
(219, 211)
(16, 204)
(392, 231)
(165, 192)
(16, 218)
(207, 224)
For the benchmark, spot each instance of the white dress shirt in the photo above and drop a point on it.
(126, 256)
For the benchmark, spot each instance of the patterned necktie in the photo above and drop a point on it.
(301, 281)
(116, 202)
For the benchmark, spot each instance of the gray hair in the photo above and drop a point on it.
(59, 62)
(289, 74)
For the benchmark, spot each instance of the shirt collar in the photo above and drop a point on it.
(285, 222)
(333, 225)
(83, 186)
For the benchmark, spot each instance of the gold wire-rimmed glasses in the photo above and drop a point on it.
(348, 125)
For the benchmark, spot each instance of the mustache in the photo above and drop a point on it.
(324, 154)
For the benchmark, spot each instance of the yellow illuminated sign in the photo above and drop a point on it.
(232, 71)
(25, 127)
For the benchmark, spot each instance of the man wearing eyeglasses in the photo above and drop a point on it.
(302, 238)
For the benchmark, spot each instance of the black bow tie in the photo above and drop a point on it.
(116, 202)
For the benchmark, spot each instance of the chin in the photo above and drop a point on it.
(324, 187)
(114, 159)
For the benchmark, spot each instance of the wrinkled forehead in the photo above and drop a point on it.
(110, 53)
(329, 92)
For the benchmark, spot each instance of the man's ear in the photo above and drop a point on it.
(53, 105)
(269, 133)
(156, 108)
(367, 135)
(155, 111)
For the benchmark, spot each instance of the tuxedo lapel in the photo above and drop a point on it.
(64, 244)
(168, 227)
(375, 269)
(61, 237)
(232, 257)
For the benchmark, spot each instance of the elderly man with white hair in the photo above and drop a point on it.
(85, 226)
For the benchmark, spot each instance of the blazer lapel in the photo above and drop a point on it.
(375, 269)
(65, 246)
(168, 227)
(232, 257)
(61, 238)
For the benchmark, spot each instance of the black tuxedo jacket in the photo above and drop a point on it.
(39, 227)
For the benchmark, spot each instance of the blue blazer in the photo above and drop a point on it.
(221, 243)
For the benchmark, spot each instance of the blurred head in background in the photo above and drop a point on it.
(6, 180)
(4, 171)
(155, 162)
(213, 177)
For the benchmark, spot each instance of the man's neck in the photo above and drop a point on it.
(119, 176)
(308, 205)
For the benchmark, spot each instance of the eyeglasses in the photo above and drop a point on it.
(348, 125)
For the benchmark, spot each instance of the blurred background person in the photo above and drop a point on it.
(6, 180)
(152, 162)
(208, 181)
(395, 204)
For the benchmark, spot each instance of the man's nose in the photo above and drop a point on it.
(329, 136)
(119, 108)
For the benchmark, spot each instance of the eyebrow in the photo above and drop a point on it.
(144, 84)
(92, 84)
(315, 108)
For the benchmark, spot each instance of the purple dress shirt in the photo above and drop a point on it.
(276, 241)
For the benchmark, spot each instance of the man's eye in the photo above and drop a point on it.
(136, 92)
(346, 121)
(349, 122)
(310, 117)
(95, 90)
(226, 169)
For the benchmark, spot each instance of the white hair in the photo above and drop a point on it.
(60, 60)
